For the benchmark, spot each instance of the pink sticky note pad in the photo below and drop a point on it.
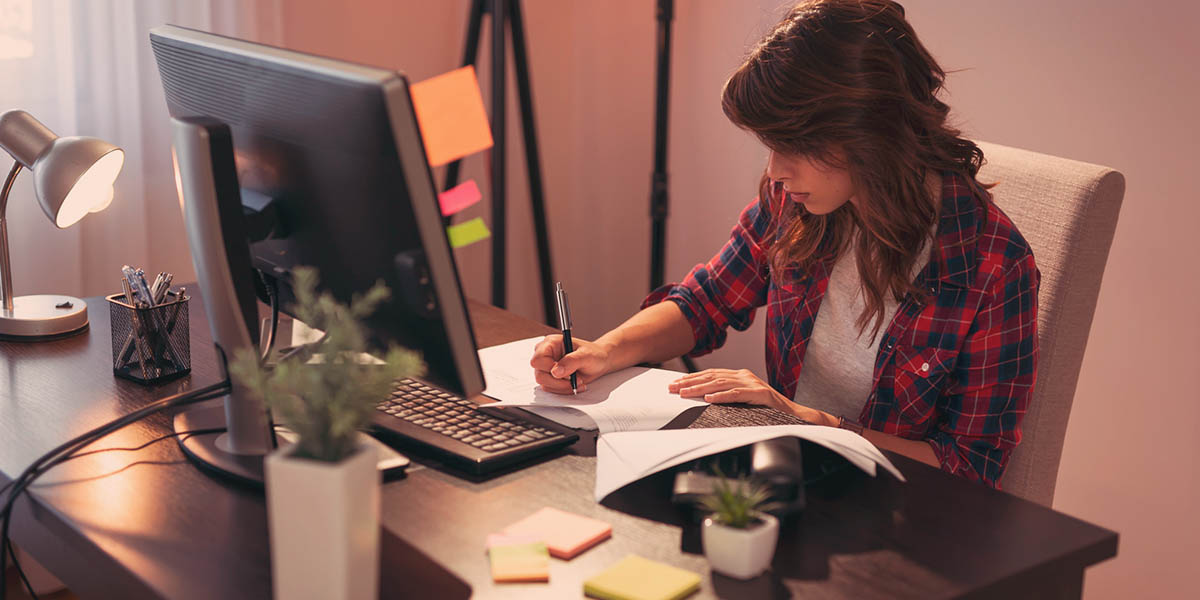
(566, 534)
(459, 197)
(498, 540)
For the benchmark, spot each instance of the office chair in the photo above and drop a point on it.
(1067, 211)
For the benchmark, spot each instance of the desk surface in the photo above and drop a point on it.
(147, 523)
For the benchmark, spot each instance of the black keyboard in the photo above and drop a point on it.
(456, 430)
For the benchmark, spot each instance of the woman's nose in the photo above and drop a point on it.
(777, 167)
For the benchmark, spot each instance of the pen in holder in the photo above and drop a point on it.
(150, 344)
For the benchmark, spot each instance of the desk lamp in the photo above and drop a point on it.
(72, 176)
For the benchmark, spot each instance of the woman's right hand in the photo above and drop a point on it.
(552, 370)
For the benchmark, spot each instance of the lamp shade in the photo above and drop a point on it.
(75, 177)
(72, 175)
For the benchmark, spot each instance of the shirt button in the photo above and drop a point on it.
(924, 367)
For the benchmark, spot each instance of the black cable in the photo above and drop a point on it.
(167, 436)
(69, 447)
(20, 572)
(272, 287)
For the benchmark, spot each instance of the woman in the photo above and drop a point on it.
(901, 302)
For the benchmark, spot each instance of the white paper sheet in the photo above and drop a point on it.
(625, 457)
(634, 399)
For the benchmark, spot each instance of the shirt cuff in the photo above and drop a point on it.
(687, 303)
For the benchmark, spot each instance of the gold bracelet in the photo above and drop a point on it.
(844, 423)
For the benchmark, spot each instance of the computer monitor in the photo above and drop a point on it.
(331, 166)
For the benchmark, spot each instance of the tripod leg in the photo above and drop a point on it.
(689, 364)
(658, 192)
(499, 112)
(470, 55)
(532, 157)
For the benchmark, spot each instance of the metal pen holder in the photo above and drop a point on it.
(152, 344)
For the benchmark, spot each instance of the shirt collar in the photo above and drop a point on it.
(958, 226)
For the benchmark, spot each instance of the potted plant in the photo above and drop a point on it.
(323, 492)
(739, 536)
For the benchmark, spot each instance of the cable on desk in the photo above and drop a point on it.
(272, 287)
(60, 460)
(65, 450)
(21, 572)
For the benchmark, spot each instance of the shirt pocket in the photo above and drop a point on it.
(921, 375)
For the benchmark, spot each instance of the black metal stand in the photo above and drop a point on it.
(508, 12)
(659, 204)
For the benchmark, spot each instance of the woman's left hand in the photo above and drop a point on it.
(725, 386)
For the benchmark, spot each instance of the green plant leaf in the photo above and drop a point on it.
(327, 404)
(737, 503)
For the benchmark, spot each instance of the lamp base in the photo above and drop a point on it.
(42, 317)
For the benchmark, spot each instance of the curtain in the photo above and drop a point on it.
(84, 67)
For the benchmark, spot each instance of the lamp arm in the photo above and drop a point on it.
(6, 291)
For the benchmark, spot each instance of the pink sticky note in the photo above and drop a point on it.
(497, 540)
(459, 197)
(566, 534)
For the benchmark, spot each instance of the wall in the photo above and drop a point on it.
(1095, 82)
(1086, 80)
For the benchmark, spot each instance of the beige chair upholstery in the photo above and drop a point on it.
(1067, 211)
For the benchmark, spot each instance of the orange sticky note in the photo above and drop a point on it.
(451, 116)
(459, 197)
(566, 534)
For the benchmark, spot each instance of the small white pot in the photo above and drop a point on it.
(740, 553)
(324, 522)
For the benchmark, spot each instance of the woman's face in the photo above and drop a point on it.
(821, 188)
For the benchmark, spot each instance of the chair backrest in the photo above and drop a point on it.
(1067, 211)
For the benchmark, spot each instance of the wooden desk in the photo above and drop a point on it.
(148, 523)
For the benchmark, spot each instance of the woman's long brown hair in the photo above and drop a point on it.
(847, 83)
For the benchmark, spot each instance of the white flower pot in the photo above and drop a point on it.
(324, 522)
(740, 553)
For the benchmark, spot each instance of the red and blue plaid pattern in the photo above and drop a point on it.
(955, 368)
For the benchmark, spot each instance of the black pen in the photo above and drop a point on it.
(564, 323)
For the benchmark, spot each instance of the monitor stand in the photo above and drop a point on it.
(202, 427)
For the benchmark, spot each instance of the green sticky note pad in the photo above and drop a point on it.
(521, 562)
(465, 234)
(637, 578)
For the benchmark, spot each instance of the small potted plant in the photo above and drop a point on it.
(739, 536)
(323, 492)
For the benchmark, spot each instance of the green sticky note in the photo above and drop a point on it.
(465, 234)
(520, 563)
(637, 578)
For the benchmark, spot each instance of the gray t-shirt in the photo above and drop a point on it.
(839, 365)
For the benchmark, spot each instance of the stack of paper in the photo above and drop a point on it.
(634, 399)
(625, 457)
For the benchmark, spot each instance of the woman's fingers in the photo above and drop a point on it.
(551, 383)
(718, 384)
(692, 379)
(735, 396)
(547, 352)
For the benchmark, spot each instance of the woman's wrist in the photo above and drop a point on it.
(812, 415)
(826, 419)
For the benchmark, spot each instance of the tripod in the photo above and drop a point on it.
(658, 186)
(508, 12)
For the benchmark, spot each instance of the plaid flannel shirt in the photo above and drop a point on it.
(955, 368)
